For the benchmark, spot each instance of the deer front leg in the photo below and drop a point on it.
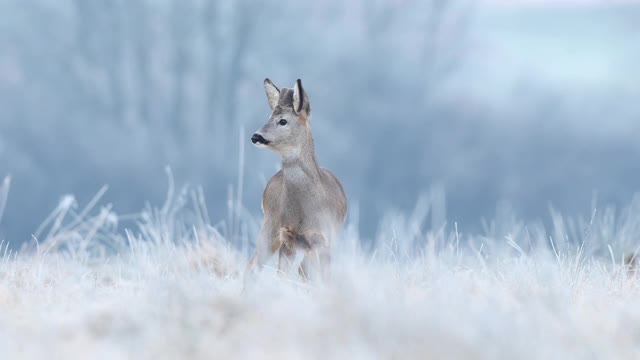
(287, 237)
(317, 259)
(265, 249)
(316, 264)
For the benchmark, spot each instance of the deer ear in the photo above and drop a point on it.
(300, 99)
(273, 93)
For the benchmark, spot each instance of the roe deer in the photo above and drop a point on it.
(304, 205)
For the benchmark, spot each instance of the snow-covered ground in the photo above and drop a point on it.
(172, 288)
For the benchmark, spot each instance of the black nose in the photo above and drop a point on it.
(258, 139)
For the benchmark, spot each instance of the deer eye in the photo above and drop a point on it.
(282, 122)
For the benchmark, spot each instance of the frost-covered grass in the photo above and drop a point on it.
(171, 287)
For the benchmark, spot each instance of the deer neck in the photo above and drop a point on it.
(300, 166)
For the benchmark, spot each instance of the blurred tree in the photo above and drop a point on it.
(111, 91)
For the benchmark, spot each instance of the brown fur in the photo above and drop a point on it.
(304, 205)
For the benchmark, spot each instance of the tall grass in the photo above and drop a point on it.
(167, 283)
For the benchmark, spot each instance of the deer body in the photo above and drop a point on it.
(304, 205)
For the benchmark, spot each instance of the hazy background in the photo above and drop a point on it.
(520, 102)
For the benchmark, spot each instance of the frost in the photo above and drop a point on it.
(171, 286)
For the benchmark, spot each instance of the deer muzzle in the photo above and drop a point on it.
(258, 140)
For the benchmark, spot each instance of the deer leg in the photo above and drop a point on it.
(288, 238)
(265, 249)
(325, 263)
(317, 260)
(316, 264)
(305, 268)
(286, 260)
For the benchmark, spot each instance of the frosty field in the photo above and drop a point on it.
(171, 287)
(468, 136)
